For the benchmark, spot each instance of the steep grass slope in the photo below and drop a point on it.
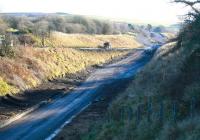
(31, 66)
(172, 75)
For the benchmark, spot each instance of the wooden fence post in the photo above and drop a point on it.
(161, 111)
(192, 107)
(174, 111)
(138, 115)
(149, 109)
(122, 113)
(130, 113)
(109, 117)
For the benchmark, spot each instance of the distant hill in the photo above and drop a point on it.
(34, 14)
(175, 27)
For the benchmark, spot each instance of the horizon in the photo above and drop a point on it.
(159, 12)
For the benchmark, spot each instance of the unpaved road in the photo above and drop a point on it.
(48, 119)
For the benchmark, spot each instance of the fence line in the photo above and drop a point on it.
(148, 109)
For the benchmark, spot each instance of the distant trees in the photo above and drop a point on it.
(131, 26)
(57, 23)
(41, 29)
(107, 28)
(159, 29)
(19, 28)
(149, 27)
(67, 24)
(24, 25)
(3, 27)
(75, 28)
(121, 28)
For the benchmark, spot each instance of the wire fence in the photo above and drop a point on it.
(152, 111)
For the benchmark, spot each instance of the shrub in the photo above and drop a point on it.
(6, 49)
(26, 39)
(4, 87)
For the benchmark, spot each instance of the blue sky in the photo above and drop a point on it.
(141, 11)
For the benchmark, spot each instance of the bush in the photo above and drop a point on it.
(6, 49)
(26, 39)
(4, 87)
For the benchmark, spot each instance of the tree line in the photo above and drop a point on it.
(66, 24)
(16, 29)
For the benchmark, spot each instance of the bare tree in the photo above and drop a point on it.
(41, 29)
(3, 27)
(24, 25)
(26, 39)
(149, 27)
(191, 3)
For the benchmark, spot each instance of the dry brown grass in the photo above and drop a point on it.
(33, 65)
(157, 76)
(170, 75)
(80, 40)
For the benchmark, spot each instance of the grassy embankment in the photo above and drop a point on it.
(59, 39)
(172, 75)
(31, 65)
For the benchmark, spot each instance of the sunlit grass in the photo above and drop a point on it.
(5, 88)
(58, 39)
(32, 66)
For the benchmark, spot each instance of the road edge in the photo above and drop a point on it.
(20, 115)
